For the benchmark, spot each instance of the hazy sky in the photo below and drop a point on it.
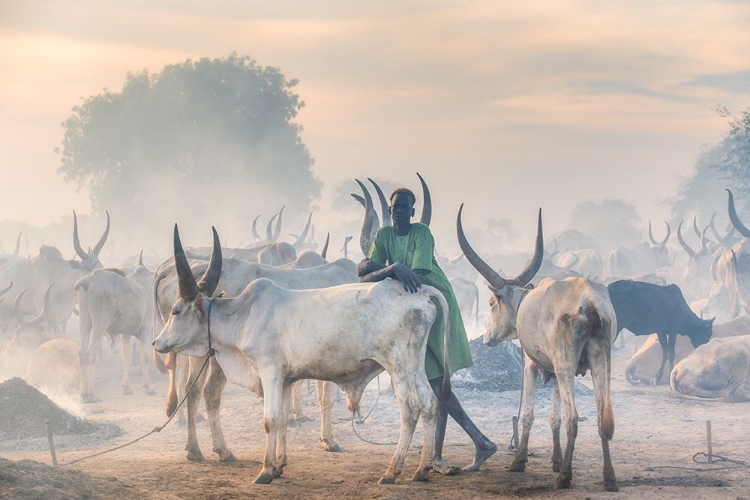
(506, 106)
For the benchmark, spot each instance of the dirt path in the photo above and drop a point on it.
(654, 429)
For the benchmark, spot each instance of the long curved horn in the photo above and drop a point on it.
(738, 225)
(704, 242)
(186, 286)
(76, 241)
(572, 264)
(695, 226)
(6, 289)
(18, 244)
(324, 252)
(685, 246)
(370, 225)
(426, 203)
(492, 277)
(42, 315)
(277, 229)
(140, 258)
(210, 279)
(269, 232)
(651, 235)
(536, 260)
(383, 204)
(100, 244)
(301, 240)
(256, 236)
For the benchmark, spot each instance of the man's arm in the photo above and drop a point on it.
(370, 271)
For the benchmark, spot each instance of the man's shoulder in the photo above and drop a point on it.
(421, 229)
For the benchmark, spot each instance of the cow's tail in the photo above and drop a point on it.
(446, 342)
(171, 363)
(597, 325)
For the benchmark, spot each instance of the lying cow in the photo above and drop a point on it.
(268, 337)
(54, 365)
(565, 328)
(645, 362)
(644, 308)
(719, 370)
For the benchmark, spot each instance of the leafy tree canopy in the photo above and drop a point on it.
(209, 139)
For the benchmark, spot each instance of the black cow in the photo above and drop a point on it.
(644, 308)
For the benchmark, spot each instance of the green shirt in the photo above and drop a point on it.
(416, 250)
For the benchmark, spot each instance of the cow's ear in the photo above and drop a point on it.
(711, 321)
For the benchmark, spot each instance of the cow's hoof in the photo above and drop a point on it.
(126, 390)
(443, 468)
(387, 480)
(562, 482)
(331, 446)
(611, 485)
(556, 466)
(278, 471)
(517, 466)
(226, 456)
(195, 455)
(263, 480)
(422, 474)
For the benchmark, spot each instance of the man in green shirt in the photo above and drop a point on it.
(405, 251)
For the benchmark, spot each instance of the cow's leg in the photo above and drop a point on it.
(273, 386)
(565, 383)
(144, 351)
(664, 354)
(212, 389)
(600, 364)
(88, 363)
(527, 416)
(672, 341)
(429, 412)
(554, 422)
(325, 401)
(286, 405)
(404, 391)
(193, 398)
(127, 356)
(87, 382)
(296, 405)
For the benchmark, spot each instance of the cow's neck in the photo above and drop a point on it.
(515, 296)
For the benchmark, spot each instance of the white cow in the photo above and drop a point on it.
(236, 275)
(565, 328)
(111, 302)
(268, 337)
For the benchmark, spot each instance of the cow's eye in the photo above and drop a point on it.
(175, 312)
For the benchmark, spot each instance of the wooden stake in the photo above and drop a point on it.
(51, 443)
(710, 445)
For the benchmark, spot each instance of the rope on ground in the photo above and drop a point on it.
(738, 464)
(155, 429)
(361, 420)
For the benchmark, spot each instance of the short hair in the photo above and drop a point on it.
(403, 190)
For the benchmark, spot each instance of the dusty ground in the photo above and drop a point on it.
(656, 436)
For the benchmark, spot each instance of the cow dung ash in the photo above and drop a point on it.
(499, 369)
(27, 479)
(23, 414)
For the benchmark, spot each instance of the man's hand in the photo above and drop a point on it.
(409, 278)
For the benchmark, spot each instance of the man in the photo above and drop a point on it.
(405, 251)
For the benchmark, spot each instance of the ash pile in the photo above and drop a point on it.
(499, 369)
(23, 414)
(34, 481)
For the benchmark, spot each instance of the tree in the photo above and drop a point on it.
(207, 140)
(735, 164)
(615, 222)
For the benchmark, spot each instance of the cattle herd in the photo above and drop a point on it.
(272, 314)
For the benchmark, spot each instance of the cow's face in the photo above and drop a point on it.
(503, 308)
(186, 330)
(702, 334)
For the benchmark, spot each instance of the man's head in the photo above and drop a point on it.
(402, 205)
